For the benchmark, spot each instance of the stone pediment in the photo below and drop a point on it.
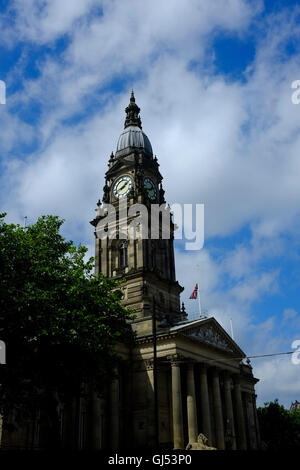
(209, 331)
(120, 165)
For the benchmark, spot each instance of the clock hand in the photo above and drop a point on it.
(122, 187)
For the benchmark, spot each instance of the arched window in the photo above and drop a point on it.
(123, 255)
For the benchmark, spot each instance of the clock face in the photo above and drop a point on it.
(150, 188)
(122, 186)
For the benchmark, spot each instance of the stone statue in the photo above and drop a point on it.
(201, 444)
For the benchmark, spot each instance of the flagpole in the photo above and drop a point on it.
(199, 300)
(231, 327)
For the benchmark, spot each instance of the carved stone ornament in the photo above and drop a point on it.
(149, 364)
(175, 359)
(201, 444)
(211, 336)
(105, 193)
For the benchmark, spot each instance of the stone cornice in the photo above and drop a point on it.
(159, 337)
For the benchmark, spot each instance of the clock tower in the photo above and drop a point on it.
(146, 261)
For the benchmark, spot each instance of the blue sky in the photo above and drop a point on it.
(213, 80)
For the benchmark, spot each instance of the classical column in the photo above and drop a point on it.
(218, 410)
(240, 420)
(177, 406)
(229, 419)
(251, 421)
(191, 405)
(205, 410)
(256, 421)
(114, 413)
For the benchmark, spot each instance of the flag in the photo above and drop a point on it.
(194, 294)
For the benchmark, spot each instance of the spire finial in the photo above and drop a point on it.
(132, 113)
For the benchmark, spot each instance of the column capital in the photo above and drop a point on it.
(227, 374)
(203, 367)
(237, 379)
(149, 364)
(216, 371)
(116, 373)
(176, 359)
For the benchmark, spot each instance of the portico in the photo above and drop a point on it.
(212, 388)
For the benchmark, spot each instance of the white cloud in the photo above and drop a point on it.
(232, 145)
(14, 131)
(44, 20)
(288, 314)
(126, 40)
(281, 380)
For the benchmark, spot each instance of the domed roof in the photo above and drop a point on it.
(134, 137)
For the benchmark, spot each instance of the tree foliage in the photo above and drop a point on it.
(59, 322)
(279, 427)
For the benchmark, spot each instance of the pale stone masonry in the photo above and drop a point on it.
(203, 386)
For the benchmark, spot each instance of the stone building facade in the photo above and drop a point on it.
(186, 377)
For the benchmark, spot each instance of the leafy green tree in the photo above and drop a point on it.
(60, 323)
(279, 428)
